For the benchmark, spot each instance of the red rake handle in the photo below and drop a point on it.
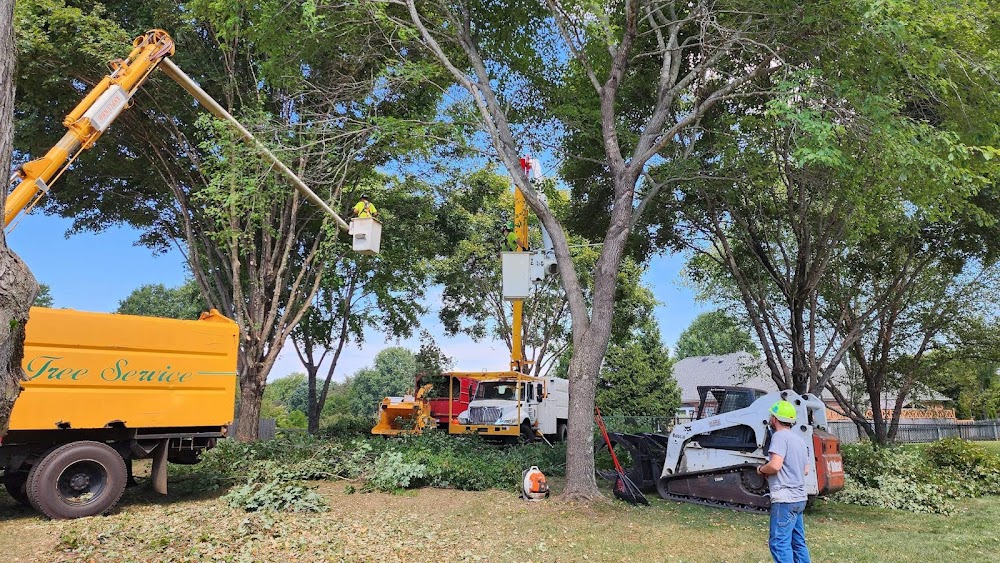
(604, 431)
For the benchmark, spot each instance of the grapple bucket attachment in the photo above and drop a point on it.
(410, 414)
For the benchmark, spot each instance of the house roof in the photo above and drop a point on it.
(743, 370)
(739, 368)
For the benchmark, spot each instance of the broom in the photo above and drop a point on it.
(624, 489)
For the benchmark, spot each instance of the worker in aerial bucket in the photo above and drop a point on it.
(364, 208)
(785, 472)
(511, 242)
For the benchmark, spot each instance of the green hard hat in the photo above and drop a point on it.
(783, 411)
(510, 225)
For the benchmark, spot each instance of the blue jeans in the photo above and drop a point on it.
(788, 533)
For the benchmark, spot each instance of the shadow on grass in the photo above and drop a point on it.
(186, 487)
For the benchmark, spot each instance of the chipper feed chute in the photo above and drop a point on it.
(410, 414)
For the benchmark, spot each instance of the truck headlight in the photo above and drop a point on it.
(509, 419)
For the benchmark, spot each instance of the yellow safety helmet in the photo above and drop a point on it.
(783, 411)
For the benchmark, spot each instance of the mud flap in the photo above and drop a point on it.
(159, 472)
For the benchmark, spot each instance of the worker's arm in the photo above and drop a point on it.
(773, 466)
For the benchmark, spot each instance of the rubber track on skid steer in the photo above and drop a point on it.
(712, 502)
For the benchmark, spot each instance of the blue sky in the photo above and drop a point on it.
(93, 272)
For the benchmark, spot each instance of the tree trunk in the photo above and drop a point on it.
(251, 396)
(583, 370)
(17, 285)
(312, 403)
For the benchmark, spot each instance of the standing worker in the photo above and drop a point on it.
(511, 242)
(364, 208)
(786, 471)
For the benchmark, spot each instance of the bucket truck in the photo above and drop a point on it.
(102, 390)
(514, 403)
(506, 405)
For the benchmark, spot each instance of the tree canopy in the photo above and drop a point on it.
(317, 83)
(157, 300)
(393, 373)
(713, 333)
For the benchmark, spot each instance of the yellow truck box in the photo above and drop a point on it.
(94, 370)
(103, 390)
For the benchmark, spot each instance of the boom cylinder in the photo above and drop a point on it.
(88, 120)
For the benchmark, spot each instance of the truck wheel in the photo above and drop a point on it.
(15, 482)
(562, 432)
(76, 480)
(527, 434)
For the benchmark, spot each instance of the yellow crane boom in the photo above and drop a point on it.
(95, 113)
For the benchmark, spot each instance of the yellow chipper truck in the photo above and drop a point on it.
(103, 390)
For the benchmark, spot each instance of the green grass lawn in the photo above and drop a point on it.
(447, 525)
(992, 446)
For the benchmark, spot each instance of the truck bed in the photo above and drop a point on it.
(95, 370)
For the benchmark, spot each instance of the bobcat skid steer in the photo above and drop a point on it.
(713, 460)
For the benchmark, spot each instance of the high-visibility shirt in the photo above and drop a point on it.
(512, 241)
(365, 209)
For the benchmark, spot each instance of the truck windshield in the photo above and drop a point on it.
(495, 390)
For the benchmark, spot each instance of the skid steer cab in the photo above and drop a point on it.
(510, 406)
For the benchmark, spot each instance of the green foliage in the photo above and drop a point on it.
(391, 471)
(393, 374)
(636, 378)
(267, 474)
(157, 300)
(468, 463)
(44, 296)
(295, 419)
(271, 488)
(974, 462)
(341, 426)
(896, 493)
(966, 369)
(431, 360)
(714, 333)
(918, 479)
(281, 390)
(285, 400)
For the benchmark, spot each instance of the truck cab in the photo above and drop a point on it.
(509, 405)
(450, 394)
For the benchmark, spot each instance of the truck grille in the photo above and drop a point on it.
(484, 415)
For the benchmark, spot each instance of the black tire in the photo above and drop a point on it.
(16, 484)
(527, 434)
(76, 480)
(562, 432)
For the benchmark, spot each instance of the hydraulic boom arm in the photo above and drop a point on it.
(95, 113)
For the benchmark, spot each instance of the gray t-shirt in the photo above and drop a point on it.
(788, 484)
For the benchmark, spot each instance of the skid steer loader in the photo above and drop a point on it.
(713, 460)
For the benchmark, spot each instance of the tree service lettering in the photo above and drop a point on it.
(48, 367)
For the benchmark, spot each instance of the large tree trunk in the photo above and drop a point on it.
(583, 370)
(17, 285)
(251, 397)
